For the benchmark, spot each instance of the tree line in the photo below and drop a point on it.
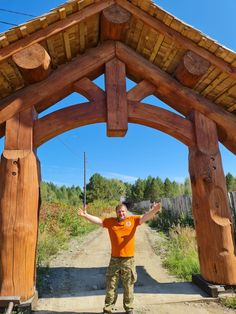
(101, 188)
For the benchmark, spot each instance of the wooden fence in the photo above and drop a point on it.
(183, 205)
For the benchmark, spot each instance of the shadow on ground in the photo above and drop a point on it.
(60, 282)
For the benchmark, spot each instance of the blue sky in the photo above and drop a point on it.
(143, 151)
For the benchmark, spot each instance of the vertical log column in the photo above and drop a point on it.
(210, 206)
(19, 202)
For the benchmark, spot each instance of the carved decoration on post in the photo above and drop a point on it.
(19, 195)
(191, 68)
(211, 210)
(114, 23)
(117, 112)
(34, 63)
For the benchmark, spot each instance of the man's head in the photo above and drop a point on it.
(121, 211)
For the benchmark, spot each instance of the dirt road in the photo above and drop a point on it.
(75, 283)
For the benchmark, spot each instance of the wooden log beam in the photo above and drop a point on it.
(55, 28)
(212, 217)
(33, 62)
(176, 36)
(114, 23)
(115, 81)
(141, 90)
(75, 116)
(59, 84)
(68, 118)
(89, 90)
(174, 94)
(191, 68)
(163, 120)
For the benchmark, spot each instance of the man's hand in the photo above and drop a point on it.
(82, 212)
(156, 207)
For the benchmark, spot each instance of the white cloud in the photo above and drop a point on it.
(119, 176)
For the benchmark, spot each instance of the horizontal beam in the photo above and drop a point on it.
(59, 84)
(55, 28)
(176, 36)
(176, 95)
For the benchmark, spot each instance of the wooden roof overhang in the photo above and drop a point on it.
(155, 47)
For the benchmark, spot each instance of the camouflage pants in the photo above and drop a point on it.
(120, 268)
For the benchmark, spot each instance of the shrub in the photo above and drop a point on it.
(179, 252)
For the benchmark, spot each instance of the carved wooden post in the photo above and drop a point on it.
(211, 211)
(19, 202)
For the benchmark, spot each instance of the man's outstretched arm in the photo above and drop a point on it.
(156, 208)
(91, 218)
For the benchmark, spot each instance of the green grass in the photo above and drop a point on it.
(179, 252)
(229, 302)
(58, 223)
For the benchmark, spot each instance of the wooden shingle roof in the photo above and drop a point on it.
(159, 37)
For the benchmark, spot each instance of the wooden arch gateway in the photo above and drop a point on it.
(62, 52)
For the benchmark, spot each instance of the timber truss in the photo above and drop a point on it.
(200, 126)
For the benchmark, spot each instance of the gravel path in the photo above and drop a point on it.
(75, 283)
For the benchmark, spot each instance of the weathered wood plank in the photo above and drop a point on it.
(55, 28)
(174, 35)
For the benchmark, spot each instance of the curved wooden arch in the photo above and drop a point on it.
(75, 116)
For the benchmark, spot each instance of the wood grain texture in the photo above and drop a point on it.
(66, 119)
(163, 120)
(54, 28)
(114, 23)
(59, 84)
(176, 36)
(19, 205)
(33, 62)
(212, 217)
(177, 96)
(191, 68)
(75, 116)
(115, 81)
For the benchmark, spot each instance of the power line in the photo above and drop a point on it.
(16, 12)
(3, 22)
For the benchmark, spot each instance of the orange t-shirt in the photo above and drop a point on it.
(122, 235)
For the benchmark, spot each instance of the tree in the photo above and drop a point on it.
(230, 182)
(96, 188)
(138, 190)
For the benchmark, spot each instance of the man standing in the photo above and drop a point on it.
(121, 232)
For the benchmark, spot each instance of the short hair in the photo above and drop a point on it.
(121, 206)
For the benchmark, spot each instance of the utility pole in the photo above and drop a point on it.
(84, 180)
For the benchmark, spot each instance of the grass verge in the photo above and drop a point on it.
(229, 302)
(179, 252)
